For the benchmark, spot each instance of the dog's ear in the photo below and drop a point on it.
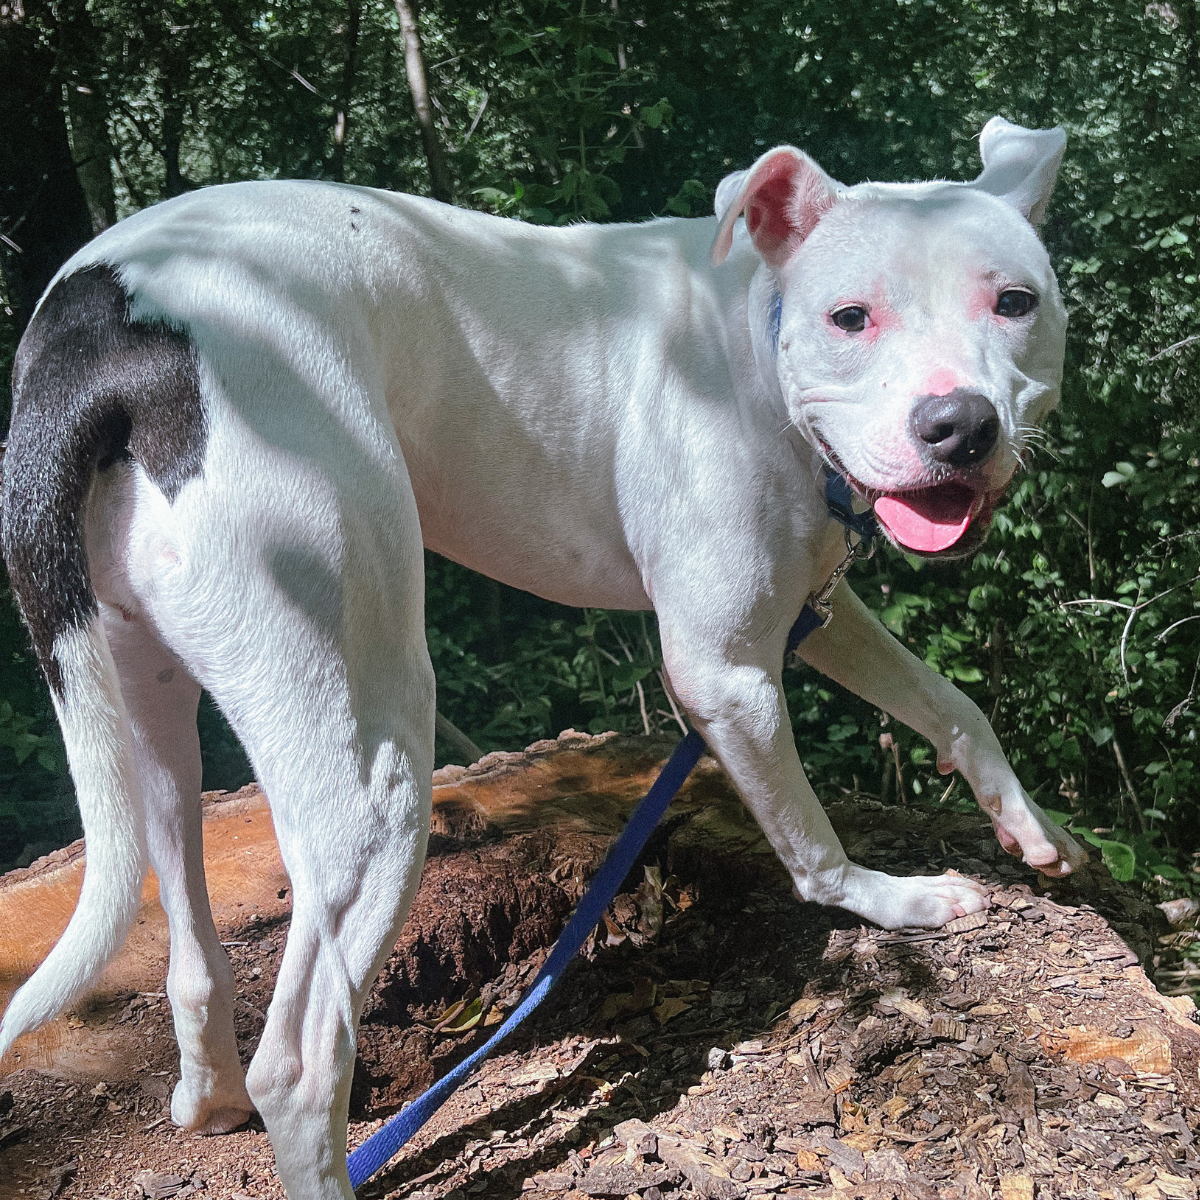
(1019, 165)
(783, 195)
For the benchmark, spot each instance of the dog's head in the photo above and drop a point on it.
(920, 328)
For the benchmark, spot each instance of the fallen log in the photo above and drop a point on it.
(719, 1039)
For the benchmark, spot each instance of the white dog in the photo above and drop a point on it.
(241, 413)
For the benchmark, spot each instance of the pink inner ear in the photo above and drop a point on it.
(784, 207)
(768, 213)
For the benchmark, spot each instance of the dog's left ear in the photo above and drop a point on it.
(783, 195)
(1020, 165)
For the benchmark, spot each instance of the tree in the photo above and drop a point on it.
(44, 217)
(414, 65)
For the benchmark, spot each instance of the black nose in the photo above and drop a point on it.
(956, 430)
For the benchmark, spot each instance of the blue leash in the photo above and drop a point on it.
(383, 1145)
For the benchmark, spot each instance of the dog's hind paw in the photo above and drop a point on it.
(205, 1115)
(930, 901)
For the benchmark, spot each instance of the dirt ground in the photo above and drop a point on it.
(720, 1040)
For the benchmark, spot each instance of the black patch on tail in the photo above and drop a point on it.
(90, 387)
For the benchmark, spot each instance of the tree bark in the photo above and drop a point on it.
(175, 73)
(87, 107)
(43, 213)
(346, 93)
(414, 63)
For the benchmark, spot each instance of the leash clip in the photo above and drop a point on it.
(839, 499)
(822, 602)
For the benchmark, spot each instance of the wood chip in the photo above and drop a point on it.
(976, 920)
(619, 1180)
(1147, 1050)
(1175, 1187)
(863, 1142)
(839, 1077)
(803, 1009)
(533, 1073)
(1016, 1187)
(670, 1007)
(814, 1110)
(555, 1181)
(787, 1145)
(1020, 1093)
(989, 1010)
(949, 1028)
(911, 1139)
(914, 1011)
(159, 1187)
(702, 1172)
(979, 1125)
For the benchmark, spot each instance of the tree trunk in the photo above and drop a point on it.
(176, 74)
(414, 62)
(346, 94)
(87, 106)
(43, 213)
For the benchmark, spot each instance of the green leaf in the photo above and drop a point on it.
(628, 674)
(1120, 860)
(1059, 818)
(460, 1017)
(660, 115)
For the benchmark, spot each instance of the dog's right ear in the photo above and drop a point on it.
(783, 195)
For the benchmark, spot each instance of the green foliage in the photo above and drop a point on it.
(1077, 627)
(566, 82)
(512, 668)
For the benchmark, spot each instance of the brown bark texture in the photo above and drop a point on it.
(414, 63)
(44, 216)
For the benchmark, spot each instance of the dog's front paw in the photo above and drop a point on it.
(1025, 832)
(925, 900)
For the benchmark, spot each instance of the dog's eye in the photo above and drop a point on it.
(851, 319)
(1016, 302)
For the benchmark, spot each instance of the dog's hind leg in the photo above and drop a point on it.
(161, 698)
(349, 777)
(308, 629)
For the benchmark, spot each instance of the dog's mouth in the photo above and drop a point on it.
(947, 518)
(929, 520)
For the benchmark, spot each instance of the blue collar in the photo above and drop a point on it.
(839, 497)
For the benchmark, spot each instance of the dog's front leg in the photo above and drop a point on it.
(857, 651)
(736, 701)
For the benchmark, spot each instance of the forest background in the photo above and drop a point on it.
(1076, 628)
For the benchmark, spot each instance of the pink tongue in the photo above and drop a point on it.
(929, 520)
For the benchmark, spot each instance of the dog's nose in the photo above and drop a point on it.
(956, 430)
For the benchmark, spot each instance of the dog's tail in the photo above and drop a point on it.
(78, 384)
(98, 738)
